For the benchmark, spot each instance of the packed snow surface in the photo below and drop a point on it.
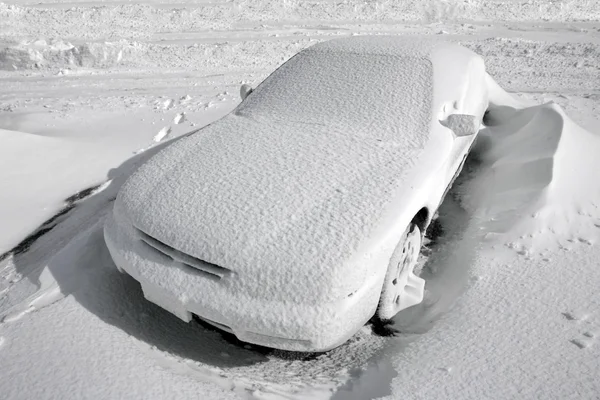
(512, 305)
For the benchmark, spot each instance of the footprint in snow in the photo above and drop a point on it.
(587, 338)
(586, 241)
(2, 341)
(582, 343)
(575, 315)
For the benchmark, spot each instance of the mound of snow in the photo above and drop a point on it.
(539, 181)
(57, 53)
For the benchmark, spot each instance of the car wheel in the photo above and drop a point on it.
(402, 288)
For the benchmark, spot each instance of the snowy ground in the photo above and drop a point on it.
(89, 88)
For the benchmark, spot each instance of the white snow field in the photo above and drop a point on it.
(90, 89)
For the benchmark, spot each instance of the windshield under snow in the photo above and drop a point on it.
(381, 95)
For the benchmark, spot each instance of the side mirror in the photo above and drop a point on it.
(245, 91)
(462, 124)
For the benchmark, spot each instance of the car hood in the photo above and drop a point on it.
(258, 196)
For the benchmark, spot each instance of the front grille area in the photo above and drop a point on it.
(207, 269)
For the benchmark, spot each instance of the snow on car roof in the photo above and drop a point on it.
(380, 89)
(383, 45)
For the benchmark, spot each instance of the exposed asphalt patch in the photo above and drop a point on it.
(51, 223)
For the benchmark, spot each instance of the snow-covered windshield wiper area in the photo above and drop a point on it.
(359, 94)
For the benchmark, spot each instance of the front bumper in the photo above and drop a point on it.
(282, 325)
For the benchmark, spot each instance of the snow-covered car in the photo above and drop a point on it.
(300, 215)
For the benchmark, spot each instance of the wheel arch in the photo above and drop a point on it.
(421, 219)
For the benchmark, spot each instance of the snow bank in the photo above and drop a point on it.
(539, 182)
(57, 53)
(124, 55)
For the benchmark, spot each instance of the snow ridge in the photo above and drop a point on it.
(538, 182)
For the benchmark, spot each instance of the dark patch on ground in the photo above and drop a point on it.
(50, 223)
(383, 328)
(26, 243)
(265, 351)
(63, 211)
(82, 194)
(434, 231)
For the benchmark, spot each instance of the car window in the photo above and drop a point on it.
(379, 95)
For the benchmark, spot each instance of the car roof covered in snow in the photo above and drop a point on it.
(382, 87)
(383, 45)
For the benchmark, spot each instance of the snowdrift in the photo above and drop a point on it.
(43, 53)
(539, 179)
(26, 189)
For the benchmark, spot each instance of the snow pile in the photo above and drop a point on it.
(122, 54)
(28, 152)
(539, 185)
(162, 134)
(57, 53)
(179, 118)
